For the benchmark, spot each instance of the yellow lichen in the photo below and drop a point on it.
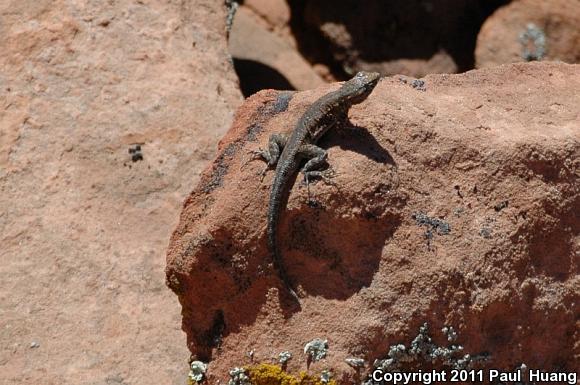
(267, 374)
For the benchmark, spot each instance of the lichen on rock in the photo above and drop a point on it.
(267, 374)
(316, 349)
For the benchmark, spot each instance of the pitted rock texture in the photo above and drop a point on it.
(84, 223)
(530, 30)
(456, 205)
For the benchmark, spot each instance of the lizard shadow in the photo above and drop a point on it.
(333, 250)
(334, 257)
(357, 139)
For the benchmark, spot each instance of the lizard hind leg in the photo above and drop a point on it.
(316, 160)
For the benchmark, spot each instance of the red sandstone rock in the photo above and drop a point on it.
(83, 228)
(276, 13)
(265, 59)
(494, 154)
(553, 26)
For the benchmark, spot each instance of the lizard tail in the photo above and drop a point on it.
(277, 200)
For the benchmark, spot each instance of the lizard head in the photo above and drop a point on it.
(361, 85)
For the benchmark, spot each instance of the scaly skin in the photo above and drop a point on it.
(322, 115)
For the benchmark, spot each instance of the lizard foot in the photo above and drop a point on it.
(325, 176)
(259, 154)
(314, 176)
(255, 155)
(328, 175)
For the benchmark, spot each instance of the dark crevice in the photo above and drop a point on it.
(387, 31)
(256, 76)
(382, 32)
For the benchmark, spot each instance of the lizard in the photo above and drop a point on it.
(286, 152)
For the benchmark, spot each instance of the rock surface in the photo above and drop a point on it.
(83, 228)
(456, 203)
(276, 14)
(530, 29)
(265, 59)
(279, 18)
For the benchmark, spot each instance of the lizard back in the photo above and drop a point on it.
(322, 115)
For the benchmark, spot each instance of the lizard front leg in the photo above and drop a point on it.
(271, 155)
(316, 160)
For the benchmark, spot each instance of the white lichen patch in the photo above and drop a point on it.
(450, 333)
(238, 376)
(316, 349)
(423, 350)
(197, 371)
(354, 362)
(325, 376)
(284, 357)
(533, 41)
